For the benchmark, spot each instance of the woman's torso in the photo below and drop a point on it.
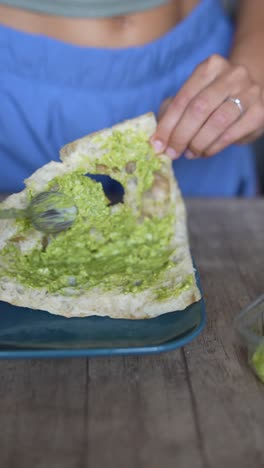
(52, 93)
(119, 31)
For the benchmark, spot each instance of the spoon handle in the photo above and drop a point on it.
(12, 213)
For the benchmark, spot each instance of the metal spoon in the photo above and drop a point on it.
(49, 212)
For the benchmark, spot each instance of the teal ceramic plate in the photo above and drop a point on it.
(27, 333)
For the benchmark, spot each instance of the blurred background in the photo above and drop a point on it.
(231, 6)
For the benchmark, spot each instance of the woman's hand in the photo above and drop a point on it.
(200, 120)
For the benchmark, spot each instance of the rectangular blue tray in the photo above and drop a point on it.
(28, 333)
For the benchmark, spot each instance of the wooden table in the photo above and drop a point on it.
(196, 407)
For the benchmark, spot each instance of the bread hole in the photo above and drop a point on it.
(72, 281)
(113, 190)
(131, 167)
(17, 239)
(55, 188)
(103, 169)
(138, 283)
(44, 243)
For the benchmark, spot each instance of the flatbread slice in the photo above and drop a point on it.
(125, 260)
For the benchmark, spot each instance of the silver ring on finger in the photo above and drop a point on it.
(238, 103)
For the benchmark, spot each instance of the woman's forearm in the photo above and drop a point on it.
(248, 46)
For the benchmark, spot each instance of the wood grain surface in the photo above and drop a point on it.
(200, 406)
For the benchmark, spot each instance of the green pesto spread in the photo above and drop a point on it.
(174, 290)
(258, 362)
(107, 246)
(122, 149)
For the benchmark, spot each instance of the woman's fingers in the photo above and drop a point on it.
(201, 119)
(206, 105)
(219, 121)
(203, 75)
(164, 107)
(249, 126)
